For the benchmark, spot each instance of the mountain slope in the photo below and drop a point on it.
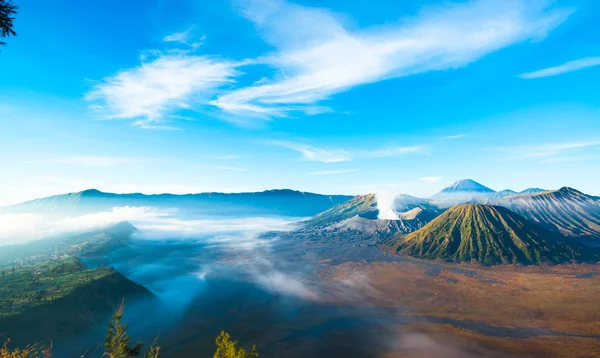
(488, 235)
(86, 306)
(366, 227)
(358, 205)
(467, 185)
(566, 210)
(461, 192)
(275, 202)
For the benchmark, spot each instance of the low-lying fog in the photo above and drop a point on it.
(227, 273)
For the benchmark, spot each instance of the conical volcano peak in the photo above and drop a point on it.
(467, 185)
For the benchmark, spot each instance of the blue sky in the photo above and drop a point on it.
(324, 96)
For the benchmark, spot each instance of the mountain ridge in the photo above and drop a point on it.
(269, 202)
(488, 235)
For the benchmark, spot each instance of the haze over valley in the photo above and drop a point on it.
(299, 178)
(305, 278)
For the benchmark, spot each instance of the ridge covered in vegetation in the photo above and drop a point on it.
(488, 235)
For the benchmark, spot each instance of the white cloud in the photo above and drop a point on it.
(152, 222)
(455, 136)
(391, 152)
(334, 172)
(188, 37)
(549, 151)
(22, 227)
(159, 87)
(314, 154)
(236, 169)
(229, 157)
(170, 226)
(564, 68)
(319, 56)
(430, 179)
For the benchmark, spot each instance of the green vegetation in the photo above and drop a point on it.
(7, 12)
(355, 206)
(29, 286)
(489, 235)
(226, 348)
(117, 344)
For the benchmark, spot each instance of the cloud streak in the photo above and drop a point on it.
(570, 66)
(227, 168)
(316, 56)
(320, 56)
(315, 154)
(334, 172)
(551, 151)
(159, 87)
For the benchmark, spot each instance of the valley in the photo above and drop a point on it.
(474, 279)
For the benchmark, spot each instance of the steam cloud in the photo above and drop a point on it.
(385, 205)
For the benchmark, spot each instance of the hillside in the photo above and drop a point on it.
(567, 211)
(488, 235)
(60, 299)
(88, 244)
(461, 192)
(275, 202)
(467, 185)
(358, 205)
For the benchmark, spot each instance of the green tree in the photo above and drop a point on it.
(226, 348)
(7, 12)
(31, 351)
(117, 341)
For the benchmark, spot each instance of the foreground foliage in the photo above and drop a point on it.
(31, 351)
(226, 348)
(7, 12)
(117, 344)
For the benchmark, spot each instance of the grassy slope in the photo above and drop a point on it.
(488, 235)
(61, 299)
(566, 210)
(355, 206)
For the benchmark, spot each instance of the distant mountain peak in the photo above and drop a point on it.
(91, 192)
(532, 191)
(467, 185)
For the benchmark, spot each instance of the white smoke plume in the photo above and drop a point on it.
(385, 205)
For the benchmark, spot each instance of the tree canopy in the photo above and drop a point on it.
(7, 12)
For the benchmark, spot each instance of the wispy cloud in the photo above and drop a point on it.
(455, 136)
(188, 37)
(236, 169)
(314, 154)
(229, 157)
(574, 158)
(159, 87)
(316, 56)
(430, 179)
(85, 161)
(320, 56)
(334, 172)
(550, 151)
(564, 68)
(391, 152)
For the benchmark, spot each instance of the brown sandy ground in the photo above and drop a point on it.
(533, 311)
